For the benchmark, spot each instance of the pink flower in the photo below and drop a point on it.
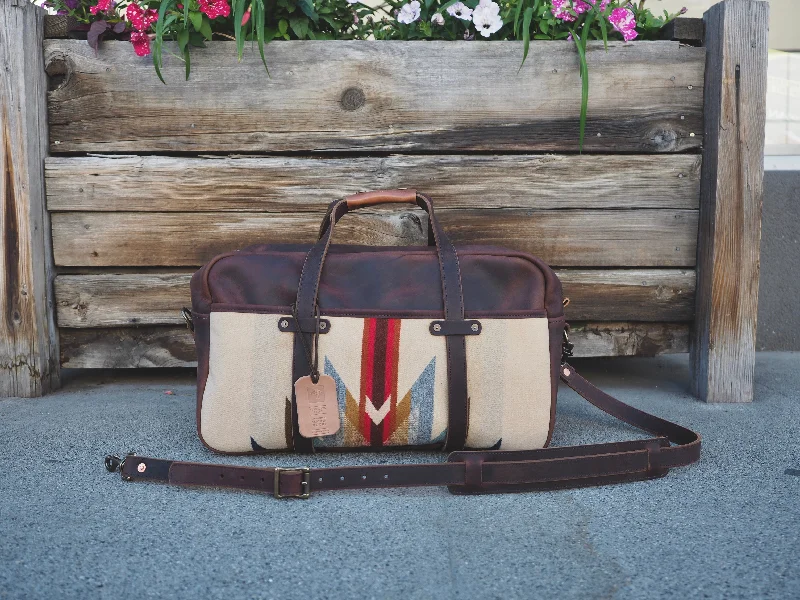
(623, 20)
(560, 10)
(102, 6)
(141, 43)
(140, 18)
(246, 16)
(215, 8)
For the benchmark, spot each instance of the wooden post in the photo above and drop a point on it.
(731, 191)
(29, 364)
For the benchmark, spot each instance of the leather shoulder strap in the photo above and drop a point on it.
(466, 472)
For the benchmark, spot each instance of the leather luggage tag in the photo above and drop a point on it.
(317, 406)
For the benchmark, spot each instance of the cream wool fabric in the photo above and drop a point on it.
(250, 378)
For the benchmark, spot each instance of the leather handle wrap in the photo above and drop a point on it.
(403, 196)
(468, 472)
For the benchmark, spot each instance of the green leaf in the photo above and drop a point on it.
(526, 35)
(183, 39)
(544, 26)
(158, 43)
(604, 29)
(205, 29)
(516, 18)
(300, 26)
(238, 13)
(196, 19)
(186, 57)
(307, 6)
(584, 86)
(283, 26)
(259, 20)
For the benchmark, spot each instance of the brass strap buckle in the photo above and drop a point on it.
(305, 483)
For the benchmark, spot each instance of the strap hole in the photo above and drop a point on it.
(222, 475)
(242, 477)
(262, 480)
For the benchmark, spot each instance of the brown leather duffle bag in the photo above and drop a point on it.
(338, 347)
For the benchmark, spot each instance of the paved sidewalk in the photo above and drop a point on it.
(727, 527)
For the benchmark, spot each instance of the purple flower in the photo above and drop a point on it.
(71, 4)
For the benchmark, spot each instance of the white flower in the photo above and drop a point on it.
(437, 19)
(486, 18)
(409, 13)
(353, 1)
(460, 10)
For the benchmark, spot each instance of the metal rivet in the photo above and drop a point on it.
(567, 372)
(320, 479)
(386, 477)
(437, 327)
(363, 477)
(474, 327)
(341, 478)
(284, 324)
(141, 468)
(323, 325)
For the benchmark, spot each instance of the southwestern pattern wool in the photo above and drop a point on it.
(391, 383)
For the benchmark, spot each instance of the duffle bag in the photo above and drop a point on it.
(328, 347)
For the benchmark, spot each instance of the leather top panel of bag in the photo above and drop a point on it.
(400, 280)
(390, 370)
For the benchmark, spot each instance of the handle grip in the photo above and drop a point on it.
(362, 199)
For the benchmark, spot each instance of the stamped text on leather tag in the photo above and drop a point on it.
(317, 406)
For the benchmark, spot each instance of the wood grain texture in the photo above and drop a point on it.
(723, 345)
(606, 238)
(29, 363)
(133, 299)
(135, 347)
(288, 184)
(686, 30)
(417, 96)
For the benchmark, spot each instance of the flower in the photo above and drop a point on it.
(460, 10)
(140, 18)
(353, 1)
(141, 43)
(71, 4)
(486, 18)
(215, 8)
(623, 20)
(409, 13)
(437, 19)
(101, 6)
(560, 10)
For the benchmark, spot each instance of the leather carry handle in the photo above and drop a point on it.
(467, 472)
(381, 197)
(452, 294)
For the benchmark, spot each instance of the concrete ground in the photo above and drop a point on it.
(726, 527)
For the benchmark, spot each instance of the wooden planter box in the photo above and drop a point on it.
(653, 229)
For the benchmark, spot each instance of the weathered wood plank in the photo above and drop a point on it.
(629, 294)
(114, 300)
(723, 348)
(686, 30)
(629, 339)
(288, 184)
(134, 347)
(378, 96)
(29, 363)
(605, 238)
